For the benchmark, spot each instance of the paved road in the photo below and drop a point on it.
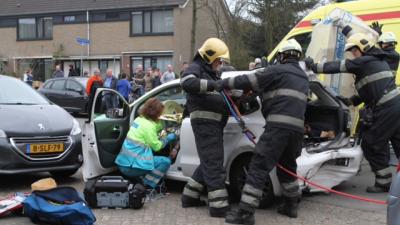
(320, 209)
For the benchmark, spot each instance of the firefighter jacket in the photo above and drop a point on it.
(374, 81)
(198, 80)
(392, 59)
(283, 90)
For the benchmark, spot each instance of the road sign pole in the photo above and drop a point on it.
(81, 61)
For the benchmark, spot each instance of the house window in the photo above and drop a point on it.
(69, 19)
(152, 22)
(35, 28)
(112, 16)
(160, 62)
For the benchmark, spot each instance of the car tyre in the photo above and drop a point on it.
(237, 179)
(63, 173)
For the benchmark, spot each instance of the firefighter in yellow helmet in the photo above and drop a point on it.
(376, 88)
(208, 116)
(283, 90)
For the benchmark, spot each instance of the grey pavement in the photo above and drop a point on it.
(318, 209)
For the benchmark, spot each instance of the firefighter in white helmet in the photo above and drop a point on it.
(283, 90)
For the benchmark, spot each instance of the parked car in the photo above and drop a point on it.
(393, 216)
(35, 134)
(68, 92)
(325, 161)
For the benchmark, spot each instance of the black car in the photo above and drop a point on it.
(68, 92)
(35, 134)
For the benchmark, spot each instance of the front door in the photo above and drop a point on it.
(104, 134)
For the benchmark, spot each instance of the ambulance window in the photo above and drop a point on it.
(304, 40)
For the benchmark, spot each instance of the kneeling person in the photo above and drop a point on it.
(136, 157)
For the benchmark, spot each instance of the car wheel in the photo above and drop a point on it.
(237, 179)
(63, 173)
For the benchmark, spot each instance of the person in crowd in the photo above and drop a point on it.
(185, 65)
(252, 65)
(283, 89)
(168, 75)
(58, 72)
(258, 63)
(124, 86)
(137, 78)
(208, 116)
(72, 72)
(136, 157)
(110, 98)
(85, 73)
(156, 77)
(376, 88)
(28, 77)
(148, 79)
(94, 82)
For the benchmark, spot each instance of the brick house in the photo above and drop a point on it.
(123, 33)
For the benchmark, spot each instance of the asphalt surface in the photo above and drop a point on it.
(318, 209)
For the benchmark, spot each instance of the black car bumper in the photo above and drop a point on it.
(13, 160)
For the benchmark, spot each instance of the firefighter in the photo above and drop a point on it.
(387, 42)
(283, 90)
(208, 116)
(376, 87)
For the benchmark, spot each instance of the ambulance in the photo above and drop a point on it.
(387, 12)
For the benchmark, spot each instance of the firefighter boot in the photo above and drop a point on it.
(377, 189)
(240, 216)
(191, 194)
(191, 202)
(383, 179)
(289, 207)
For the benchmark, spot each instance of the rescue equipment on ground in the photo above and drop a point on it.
(61, 205)
(44, 184)
(114, 192)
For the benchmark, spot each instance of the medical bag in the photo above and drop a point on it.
(114, 192)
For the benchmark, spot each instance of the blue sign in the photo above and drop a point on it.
(83, 41)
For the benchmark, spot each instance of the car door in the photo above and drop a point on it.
(75, 98)
(103, 135)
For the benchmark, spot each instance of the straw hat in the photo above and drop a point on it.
(44, 184)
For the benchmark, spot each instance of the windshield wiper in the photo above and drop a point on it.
(16, 103)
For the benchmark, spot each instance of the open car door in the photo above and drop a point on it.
(104, 133)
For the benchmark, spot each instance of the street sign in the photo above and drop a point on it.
(82, 41)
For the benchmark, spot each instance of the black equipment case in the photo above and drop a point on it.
(114, 192)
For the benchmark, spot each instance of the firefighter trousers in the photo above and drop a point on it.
(276, 145)
(210, 173)
(375, 140)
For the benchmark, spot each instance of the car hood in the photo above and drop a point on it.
(34, 120)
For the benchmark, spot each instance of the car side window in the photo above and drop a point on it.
(74, 86)
(47, 85)
(58, 85)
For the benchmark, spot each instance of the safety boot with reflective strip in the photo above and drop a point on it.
(289, 207)
(383, 180)
(191, 194)
(218, 202)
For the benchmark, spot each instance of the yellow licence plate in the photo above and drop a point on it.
(45, 148)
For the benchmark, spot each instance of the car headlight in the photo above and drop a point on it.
(76, 128)
(3, 134)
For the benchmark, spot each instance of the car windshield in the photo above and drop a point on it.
(16, 92)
